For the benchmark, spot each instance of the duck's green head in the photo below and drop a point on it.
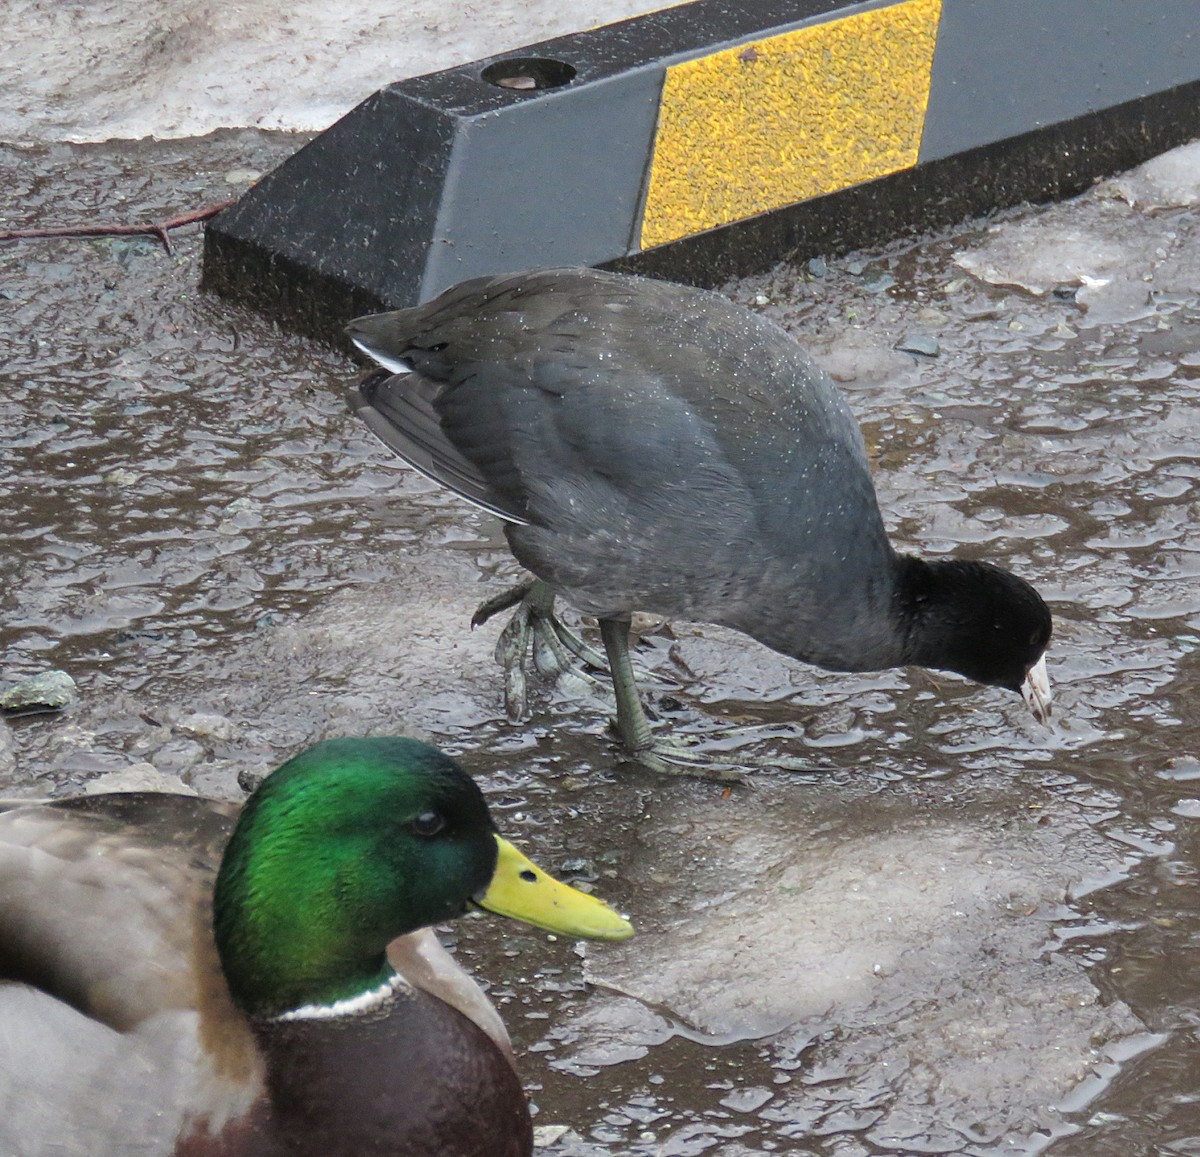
(353, 843)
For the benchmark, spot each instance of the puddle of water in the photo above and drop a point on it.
(958, 942)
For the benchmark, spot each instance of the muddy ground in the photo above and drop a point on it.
(971, 935)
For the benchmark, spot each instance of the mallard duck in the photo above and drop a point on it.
(656, 447)
(183, 978)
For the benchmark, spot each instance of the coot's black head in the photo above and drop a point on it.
(977, 620)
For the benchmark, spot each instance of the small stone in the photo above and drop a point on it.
(817, 268)
(8, 754)
(747, 1100)
(137, 777)
(1181, 767)
(877, 281)
(208, 724)
(641, 623)
(121, 477)
(924, 344)
(579, 867)
(49, 691)
(927, 315)
(249, 778)
(242, 176)
(178, 756)
(549, 1134)
(217, 779)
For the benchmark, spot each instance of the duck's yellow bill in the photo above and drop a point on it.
(521, 889)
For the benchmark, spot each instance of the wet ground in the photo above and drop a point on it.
(972, 936)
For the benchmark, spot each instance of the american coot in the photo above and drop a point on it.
(127, 1027)
(655, 447)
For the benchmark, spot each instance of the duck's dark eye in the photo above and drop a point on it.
(428, 824)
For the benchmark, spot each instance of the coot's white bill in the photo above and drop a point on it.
(1036, 691)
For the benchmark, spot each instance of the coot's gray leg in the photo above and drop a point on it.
(631, 723)
(633, 728)
(534, 626)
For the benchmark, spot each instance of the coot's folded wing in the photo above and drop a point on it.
(399, 410)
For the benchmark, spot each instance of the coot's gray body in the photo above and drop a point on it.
(656, 447)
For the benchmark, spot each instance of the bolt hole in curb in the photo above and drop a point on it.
(526, 73)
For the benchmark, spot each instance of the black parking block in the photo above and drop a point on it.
(707, 140)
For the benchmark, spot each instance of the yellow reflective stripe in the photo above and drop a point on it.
(794, 116)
